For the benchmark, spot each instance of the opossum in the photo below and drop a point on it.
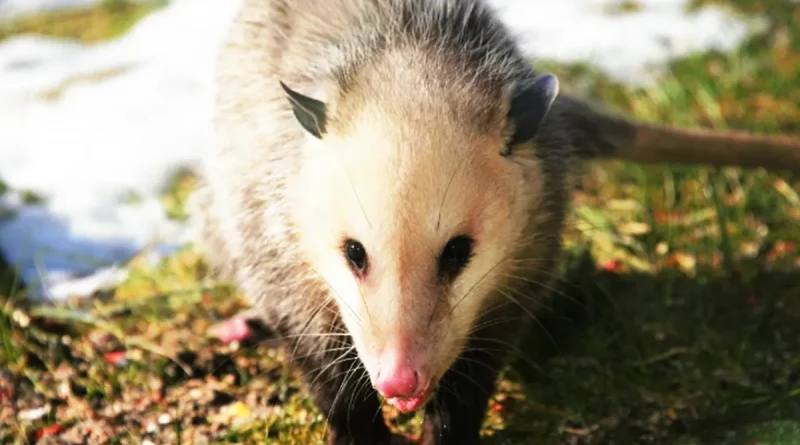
(387, 186)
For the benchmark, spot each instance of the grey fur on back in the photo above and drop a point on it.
(242, 211)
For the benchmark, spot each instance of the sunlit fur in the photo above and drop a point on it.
(417, 99)
(417, 92)
(403, 169)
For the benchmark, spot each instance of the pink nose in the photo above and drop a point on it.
(396, 378)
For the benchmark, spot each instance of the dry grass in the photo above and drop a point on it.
(684, 329)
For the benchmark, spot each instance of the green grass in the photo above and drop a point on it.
(109, 19)
(681, 328)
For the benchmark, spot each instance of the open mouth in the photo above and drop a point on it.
(407, 405)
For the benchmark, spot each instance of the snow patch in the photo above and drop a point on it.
(627, 46)
(12, 9)
(86, 125)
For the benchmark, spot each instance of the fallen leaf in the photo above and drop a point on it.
(634, 228)
(22, 319)
(233, 413)
(117, 358)
(33, 413)
(496, 407)
(683, 260)
(48, 431)
(612, 266)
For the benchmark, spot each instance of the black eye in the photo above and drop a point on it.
(455, 256)
(356, 255)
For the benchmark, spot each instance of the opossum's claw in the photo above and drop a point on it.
(245, 326)
(230, 330)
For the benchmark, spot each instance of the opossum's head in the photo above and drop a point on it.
(411, 207)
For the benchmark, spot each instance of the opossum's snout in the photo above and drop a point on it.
(409, 333)
(406, 361)
(402, 378)
(403, 353)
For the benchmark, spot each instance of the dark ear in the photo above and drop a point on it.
(530, 103)
(308, 111)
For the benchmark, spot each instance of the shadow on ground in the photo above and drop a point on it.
(663, 358)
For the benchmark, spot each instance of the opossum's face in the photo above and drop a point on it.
(411, 223)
